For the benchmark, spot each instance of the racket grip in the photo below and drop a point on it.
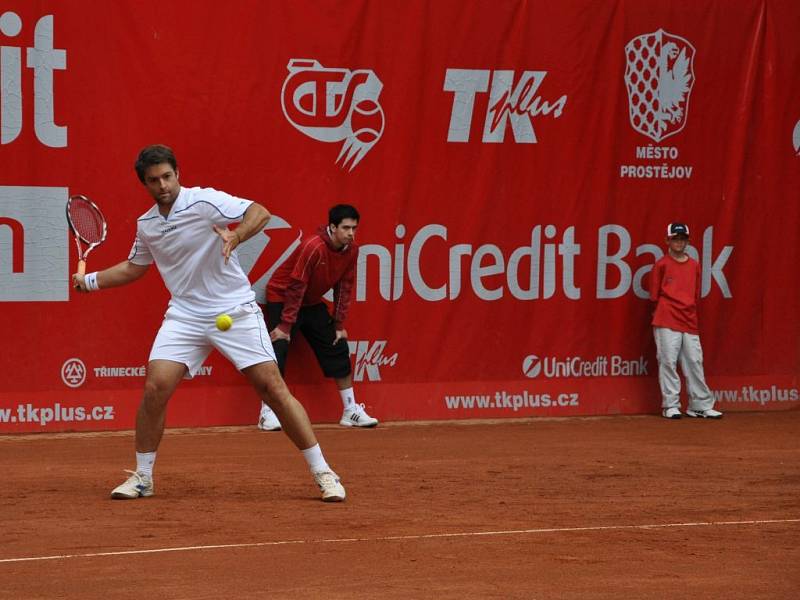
(81, 267)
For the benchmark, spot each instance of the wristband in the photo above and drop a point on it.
(90, 282)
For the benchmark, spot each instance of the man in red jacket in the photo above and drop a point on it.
(324, 260)
(675, 288)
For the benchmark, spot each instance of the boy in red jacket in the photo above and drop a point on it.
(324, 260)
(675, 288)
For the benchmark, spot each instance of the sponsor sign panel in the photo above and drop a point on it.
(514, 163)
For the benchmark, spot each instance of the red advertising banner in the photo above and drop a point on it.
(515, 165)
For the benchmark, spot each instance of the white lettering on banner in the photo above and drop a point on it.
(527, 273)
(657, 171)
(33, 244)
(539, 280)
(27, 413)
(141, 371)
(576, 366)
(508, 103)
(663, 171)
(711, 269)
(43, 59)
(514, 402)
(370, 358)
(334, 105)
(760, 395)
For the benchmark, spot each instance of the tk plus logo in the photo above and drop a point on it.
(512, 100)
(334, 105)
(370, 358)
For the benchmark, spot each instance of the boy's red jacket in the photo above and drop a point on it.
(675, 287)
(311, 270)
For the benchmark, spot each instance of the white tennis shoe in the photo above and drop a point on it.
(136, 486)
(268, 420)
(671, 413)
(330, 486)
(704, 414)
(356, 416)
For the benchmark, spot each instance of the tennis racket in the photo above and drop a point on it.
(87, 224)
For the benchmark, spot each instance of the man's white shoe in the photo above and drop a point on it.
(671, 413)
(137, 485)
(356, 416)
(330, 486)
(704, 414)
(268, 420)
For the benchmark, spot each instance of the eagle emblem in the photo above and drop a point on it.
(659, 77)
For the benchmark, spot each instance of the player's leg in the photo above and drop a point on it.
(701, 400)
(268, 383)
(163, 376)
(267, 419)
(334, 359)
(178, 351)
(248, 347)
(668, 346)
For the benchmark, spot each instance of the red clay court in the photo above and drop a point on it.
(581, 508)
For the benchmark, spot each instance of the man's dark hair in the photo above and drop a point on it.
(154, 155)
(340, 212)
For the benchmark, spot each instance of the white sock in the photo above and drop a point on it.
(316, 462)
(145, 462)
(348, 397)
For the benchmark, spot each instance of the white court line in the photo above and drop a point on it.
(401, 537)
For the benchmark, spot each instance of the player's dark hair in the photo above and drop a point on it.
(154, 155)
(340, 212)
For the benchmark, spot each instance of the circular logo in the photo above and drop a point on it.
(366, 121)
(73, 372)
(531, 366)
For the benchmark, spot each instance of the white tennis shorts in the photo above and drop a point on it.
(189, 339)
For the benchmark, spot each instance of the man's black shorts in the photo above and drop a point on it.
(318, 328)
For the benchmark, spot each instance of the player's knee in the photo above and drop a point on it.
(155, 393)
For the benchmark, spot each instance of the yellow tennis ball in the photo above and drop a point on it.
(224, 322)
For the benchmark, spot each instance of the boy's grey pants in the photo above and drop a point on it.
(673, 346)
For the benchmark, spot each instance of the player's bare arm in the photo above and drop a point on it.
(255, 219)
(120, 274)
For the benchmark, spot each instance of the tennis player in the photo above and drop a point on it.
(186, 235)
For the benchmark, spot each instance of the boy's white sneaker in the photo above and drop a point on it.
(671, 413)
(136, 486)
(268, 420)
(356, 416)
(330, 486)
(704, 414)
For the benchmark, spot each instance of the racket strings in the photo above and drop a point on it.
(87, 221)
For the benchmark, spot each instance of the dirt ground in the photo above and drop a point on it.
(582, 508)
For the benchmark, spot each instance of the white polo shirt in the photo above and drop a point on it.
(188, 253)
